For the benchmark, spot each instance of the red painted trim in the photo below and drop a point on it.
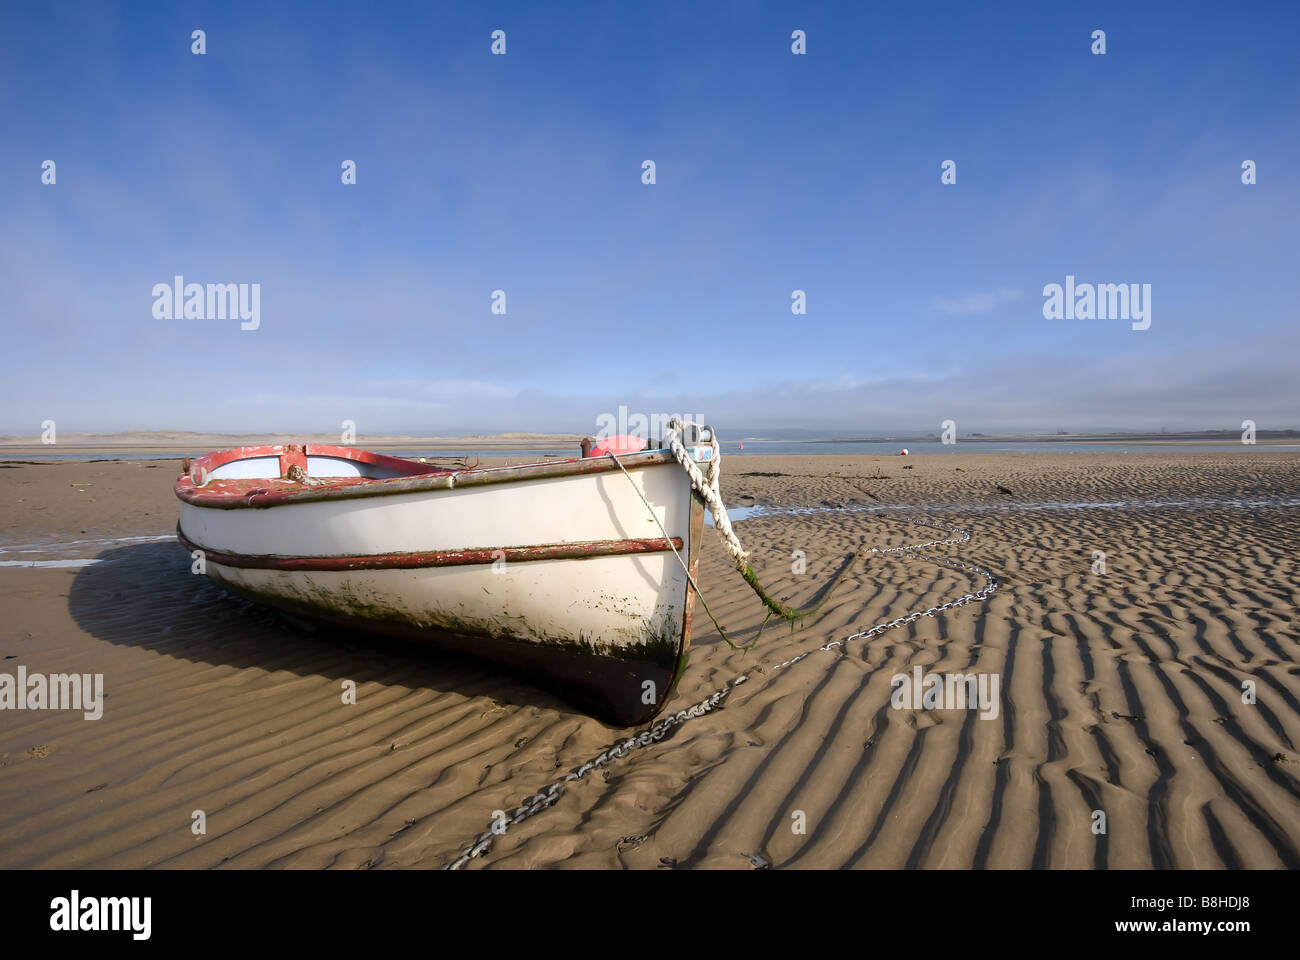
(268, 492)
(411, 467)
(438, 558)
(297, 453)
(293, 456)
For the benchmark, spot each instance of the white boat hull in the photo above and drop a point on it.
(557, 569)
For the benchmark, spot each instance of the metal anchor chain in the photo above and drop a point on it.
(548, 795)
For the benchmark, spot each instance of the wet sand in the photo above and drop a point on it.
(1119, 692)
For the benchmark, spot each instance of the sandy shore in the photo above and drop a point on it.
(1119, 692)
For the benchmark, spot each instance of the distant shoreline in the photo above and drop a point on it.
(182, 443)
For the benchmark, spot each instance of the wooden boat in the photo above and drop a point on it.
(556, 569)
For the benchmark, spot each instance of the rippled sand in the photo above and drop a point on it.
(1120, 693)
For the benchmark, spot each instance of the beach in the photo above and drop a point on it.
(1143, 631)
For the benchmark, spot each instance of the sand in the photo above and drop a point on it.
(1120, 693)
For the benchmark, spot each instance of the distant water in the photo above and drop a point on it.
(731, 449)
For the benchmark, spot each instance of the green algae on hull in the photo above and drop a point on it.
(659, 642)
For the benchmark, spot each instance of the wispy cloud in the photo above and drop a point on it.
(976, 302)
(523, 173)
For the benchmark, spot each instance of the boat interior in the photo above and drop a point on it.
(304, 461)
(315, 460)
(263, 475)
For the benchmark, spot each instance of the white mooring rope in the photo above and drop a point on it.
(708, 487)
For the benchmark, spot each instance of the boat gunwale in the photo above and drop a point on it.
(346, 488)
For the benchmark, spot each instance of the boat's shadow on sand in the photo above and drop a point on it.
(145, 595)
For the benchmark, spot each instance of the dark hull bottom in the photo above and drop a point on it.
(609, 688)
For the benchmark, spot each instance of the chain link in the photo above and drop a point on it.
(548, 795)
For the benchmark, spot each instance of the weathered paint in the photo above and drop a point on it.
(604, 671)
(608, 687)
(604, 675)
(439, 558)
(637, 637)
(293, 453)
(268, 492)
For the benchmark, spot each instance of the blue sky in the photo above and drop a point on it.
(522, 172)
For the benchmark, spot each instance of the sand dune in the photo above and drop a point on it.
(1120, 693)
